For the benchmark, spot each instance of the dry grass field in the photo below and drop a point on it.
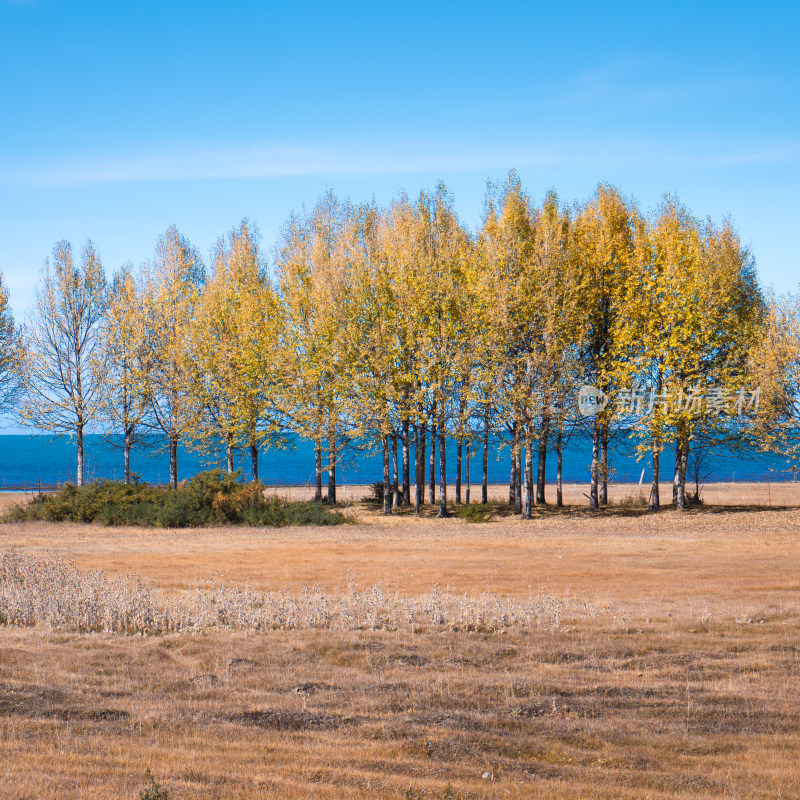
(662, 659)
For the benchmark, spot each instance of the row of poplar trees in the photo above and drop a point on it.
(397, 326)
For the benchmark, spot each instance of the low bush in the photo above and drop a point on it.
(475, 512)
(376, 495)
(633, 501)
(209, 498)
(693, 499)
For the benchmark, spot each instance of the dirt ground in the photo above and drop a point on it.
(683, 684)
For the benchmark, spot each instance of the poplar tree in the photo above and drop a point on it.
(514, 282)
(398, 250)
(643, 327)
(557, 350)
(235, 341)
(446, 346)
(169, 300)
(313, 280)
(122, 372)
(61, 390)
(370, 341)
(708, 323)
(774, 367)
(386, 270)
(604, 236)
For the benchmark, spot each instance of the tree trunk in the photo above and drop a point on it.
(527, 479)
(593, 505)
(423, 443)
(604, 465)
(173, 460)
(126, 455)
(229, 456)
(512, 480)
(460, 446)
(254, 461)
(676, 479)
(318, 470)
(485, 473)
(680, 501)
(442, 468)
(387, 483)
(466, 488)
(655, 500)
(432, 484)
(655, 496)
(79, 438)
(406, 466)
(396, 488)
(684, 461)
(333, 457)
(559, 468)
(542, 468)
(529, 467)
(417, 467)
(459, 450)
(518, 495)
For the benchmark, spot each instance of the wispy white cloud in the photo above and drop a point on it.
(635, 82)
(267, 161)
(185, 163)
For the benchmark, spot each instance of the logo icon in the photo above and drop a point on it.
(591, 400)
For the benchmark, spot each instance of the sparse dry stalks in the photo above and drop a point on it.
(49, 591)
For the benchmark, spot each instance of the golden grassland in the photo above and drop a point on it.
(681, 682)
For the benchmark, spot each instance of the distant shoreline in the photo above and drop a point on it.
(745, 493)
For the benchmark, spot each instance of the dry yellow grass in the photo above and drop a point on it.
(685, 687)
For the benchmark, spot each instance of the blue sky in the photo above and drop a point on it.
(119, 119)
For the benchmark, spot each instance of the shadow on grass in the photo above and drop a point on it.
(498, 511)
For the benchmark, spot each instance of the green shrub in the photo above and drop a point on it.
(474, 512)
(693, 499)
(633, 501)
(209, 498)
(377, 493)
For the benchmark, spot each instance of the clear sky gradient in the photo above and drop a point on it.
(119, 119)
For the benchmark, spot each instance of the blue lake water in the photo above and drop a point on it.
(33, 459)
